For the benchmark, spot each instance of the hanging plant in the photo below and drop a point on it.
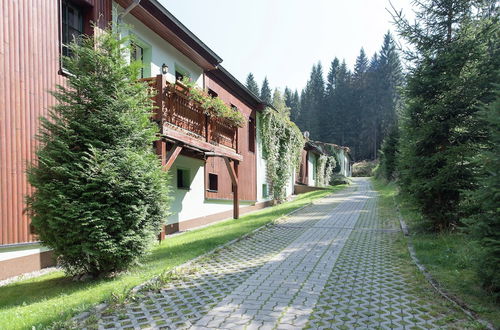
(282, 144)
(213, 106)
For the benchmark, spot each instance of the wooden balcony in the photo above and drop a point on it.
(184, 121)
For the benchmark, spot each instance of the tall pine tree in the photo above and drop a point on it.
(455, 62)
(252, 85)
(312, 103)
(265, 92)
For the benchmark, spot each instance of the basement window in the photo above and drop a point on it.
(183, 179)
(213, 182)
(265, 192)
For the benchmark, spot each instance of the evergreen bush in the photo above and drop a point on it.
(484, 203)
(388, 156)
(100, 195)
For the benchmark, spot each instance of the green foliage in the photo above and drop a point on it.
(265, 92)
(252, 85)
(363, 168)
(312, 103)
(456, 57)
(338, 179)
(355, 109)
(282, 144)
(100, 195)
(388, 155)
(213, 106)
(326, 165)
(485, 202)
(38, 302)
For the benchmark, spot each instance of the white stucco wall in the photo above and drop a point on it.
(312, 161)
(158, 50)
(191, 203)
(261, 162)
(344, 162)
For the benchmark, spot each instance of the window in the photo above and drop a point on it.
(181, 73)
(179, 76)
(235, 108)
(212, 93)
(213, 184)
(137, 54)
(265, 192)
(72, 25)
(183, 179)
(251, 135)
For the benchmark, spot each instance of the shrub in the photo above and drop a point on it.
(363, 168)
(337, 179)
(100, 194)
(483, 203)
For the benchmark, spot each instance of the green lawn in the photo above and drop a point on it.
(449, 257)
(41, 301)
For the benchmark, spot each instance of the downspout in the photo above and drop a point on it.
(127, 10)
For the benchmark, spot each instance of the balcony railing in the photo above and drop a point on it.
(177, 111)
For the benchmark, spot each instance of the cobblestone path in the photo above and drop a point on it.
(332, 265)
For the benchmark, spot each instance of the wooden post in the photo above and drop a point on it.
(161, 82)
(236, 199)
(171, 156)
(233, 173)
(161, 151)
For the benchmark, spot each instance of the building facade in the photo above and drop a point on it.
(218, 170)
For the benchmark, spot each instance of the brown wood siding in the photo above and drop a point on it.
(29, 66)
(247, 172)
(304, 168)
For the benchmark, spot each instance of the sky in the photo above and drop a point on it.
(282, 39)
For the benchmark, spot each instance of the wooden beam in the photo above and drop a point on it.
(233, 173)
(198, 143)
(172, 156)
(161, 151)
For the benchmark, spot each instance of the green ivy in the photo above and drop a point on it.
(213, 106)
(325, 167)
(282, 144)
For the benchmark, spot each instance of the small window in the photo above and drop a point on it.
(251, 135)
(183, 179)
(265, 192)
(179, 76)
(235, 108)
(212, 93)
(72, 25)
(213, 183)
(137, 54)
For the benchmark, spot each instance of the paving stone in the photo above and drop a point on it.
(331, 265)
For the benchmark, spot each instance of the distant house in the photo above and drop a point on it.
(218, 170)
(313, 150)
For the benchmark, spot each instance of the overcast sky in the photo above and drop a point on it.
(282, 39)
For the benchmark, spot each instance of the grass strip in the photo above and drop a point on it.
(41, 301)
(449, 257)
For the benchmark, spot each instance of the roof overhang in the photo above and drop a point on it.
(222, 77)
(156, 17)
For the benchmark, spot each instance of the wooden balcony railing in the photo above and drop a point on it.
(177, 111)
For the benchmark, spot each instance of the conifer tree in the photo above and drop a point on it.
(312, 102)
(485, 200)
(252, 85)
(295, 106)
(100, 195)
(455, 62)
(265, 92)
